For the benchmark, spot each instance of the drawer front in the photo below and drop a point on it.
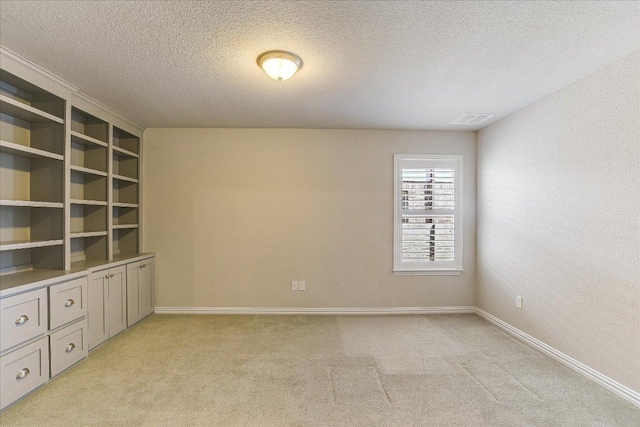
(23, 370)
(23, 317)
(68, 346)
(67, 302)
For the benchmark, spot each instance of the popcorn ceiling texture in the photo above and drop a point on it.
(558, 220)
(397, 65)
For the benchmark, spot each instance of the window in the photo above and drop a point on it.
(427, 214)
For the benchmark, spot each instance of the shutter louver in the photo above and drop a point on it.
(427, 210)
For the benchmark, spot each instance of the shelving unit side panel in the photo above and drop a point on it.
(140, 194)
(67, 187)
(110, 196)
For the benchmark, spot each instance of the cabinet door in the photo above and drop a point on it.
(117, 300)
(146, 287)
(134, 308)
(97, 308)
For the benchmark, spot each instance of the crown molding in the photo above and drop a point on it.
(9, 55)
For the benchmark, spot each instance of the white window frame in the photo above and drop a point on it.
(454, 161)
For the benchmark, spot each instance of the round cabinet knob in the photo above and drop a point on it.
(22, 320)
(70, 348)
(22, 373)
(68, 303)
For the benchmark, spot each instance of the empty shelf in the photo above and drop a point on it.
(124, 226)
(125, 178)
(25, 151)
(122, 152)
(88, 234)
(125, 205)
(25, 112)
(88, 170)
(83, 139)
(27, 244)
(30, 204)
(88, 202)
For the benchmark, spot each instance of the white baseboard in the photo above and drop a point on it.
(614, 386)
(315, 311)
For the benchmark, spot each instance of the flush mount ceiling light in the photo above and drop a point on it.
(279, 64)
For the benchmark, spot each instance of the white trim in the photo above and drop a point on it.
(7, 54)
(427, 272)
(314, 311)
(110, 110)
(601, 379)
(11, 55)
(438, 269)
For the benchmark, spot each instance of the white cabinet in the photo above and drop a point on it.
(23, 370)
(107, 304)
(51, 327)
(68, 346)
(139, 290)
(67, 302)
(31, 349)
(24, 316)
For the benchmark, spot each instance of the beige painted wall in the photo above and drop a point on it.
(235, 214)
(559, 220)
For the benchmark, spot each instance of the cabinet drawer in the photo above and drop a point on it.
(23, 370)
(68, 346)
(23, 317)
(67, 302)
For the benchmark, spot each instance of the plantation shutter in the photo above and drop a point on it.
(426, 214)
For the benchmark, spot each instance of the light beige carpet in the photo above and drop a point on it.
(427, 370)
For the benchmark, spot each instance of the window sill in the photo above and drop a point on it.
(427, 272)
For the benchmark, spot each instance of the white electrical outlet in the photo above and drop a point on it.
(519, 302)
(294, 285)
(302, 285)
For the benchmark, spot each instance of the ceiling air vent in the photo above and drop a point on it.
(472, 118)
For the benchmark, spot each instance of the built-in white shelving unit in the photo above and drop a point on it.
(69, 180)
(31, 176)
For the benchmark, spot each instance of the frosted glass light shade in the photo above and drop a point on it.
(279, 64)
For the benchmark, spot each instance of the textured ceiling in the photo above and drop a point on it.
(393, 65)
